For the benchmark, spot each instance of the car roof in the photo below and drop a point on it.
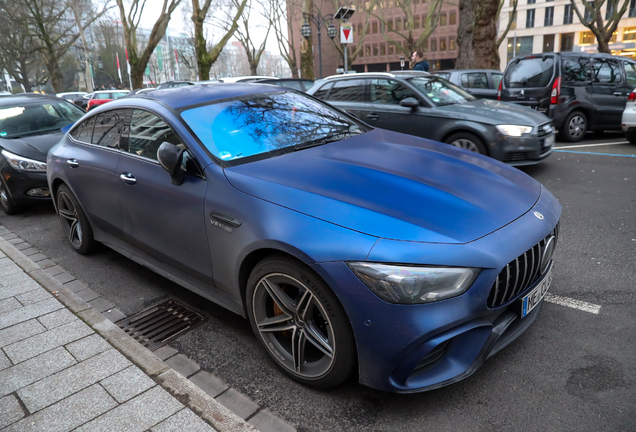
(25, 97)
(110, 91)
(465, 70)
(229, 80)
(393, 74)
(203, 93)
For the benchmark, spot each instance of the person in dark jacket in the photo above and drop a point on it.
(418, 60)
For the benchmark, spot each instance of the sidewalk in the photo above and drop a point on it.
(65, 367)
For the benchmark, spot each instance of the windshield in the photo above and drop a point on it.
(439, 91)
(262, 123)
(36, 118)
(529, 72)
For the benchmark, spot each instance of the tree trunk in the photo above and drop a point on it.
(477, 35)
(306, 47)
(203, 59)
(55, 73)
(603, 45)
(253, 67)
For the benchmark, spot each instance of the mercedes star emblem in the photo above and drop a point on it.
(539, 215)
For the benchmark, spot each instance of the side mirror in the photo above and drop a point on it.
(170, 156)
(410, 102)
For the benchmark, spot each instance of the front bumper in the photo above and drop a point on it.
(414, 348)
(22, 185)
(526, 150)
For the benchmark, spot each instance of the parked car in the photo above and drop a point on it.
(5, 94)
(349, 249)
(482, 83)
(579, 91)
(428, 106)
(82, 101)
(29, 126)
(103, 96)
(300, 84)
(628, 121)
(245, 79)
(174, 84)
(140, 91)
(70, 96)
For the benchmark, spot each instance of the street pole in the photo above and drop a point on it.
(319, 52)
(346, 68)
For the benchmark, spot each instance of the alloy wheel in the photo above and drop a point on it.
(576, 127)
(466, 144)
(70, 219)
(294, 325)
(4, 197)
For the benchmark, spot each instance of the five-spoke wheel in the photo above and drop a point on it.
(467, 141)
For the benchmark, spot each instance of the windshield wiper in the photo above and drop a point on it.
(320, 141)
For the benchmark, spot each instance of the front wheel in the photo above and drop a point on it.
(74, 222)
(6, 201)
(574, 127)
(300, 322)
(467, 141)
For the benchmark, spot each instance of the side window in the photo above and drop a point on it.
(630, 73)
(606, 71)
(474, 80)
(108, 128)
(444, 75)
(84, 131)
(350, 90)
(147, 133)
(388, 92)
(322, 91)
(496, 79)
(576, 69)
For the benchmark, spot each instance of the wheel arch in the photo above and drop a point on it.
(469, 131)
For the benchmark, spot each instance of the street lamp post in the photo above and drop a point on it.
(318, 20)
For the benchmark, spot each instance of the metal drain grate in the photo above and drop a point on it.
(155, 326)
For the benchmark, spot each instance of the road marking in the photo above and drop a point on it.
(593, 153)
(593, 145)
(574, 304)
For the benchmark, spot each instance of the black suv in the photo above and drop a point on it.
(579, 91)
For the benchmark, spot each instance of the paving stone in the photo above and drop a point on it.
(20, 332)
(9, 236)
(45, 263)
(9, 304)
(114, 315)
(69, 413)
(20, 287)
(15, 279)
(88, 347)
(10, 410)
(37, 257)
(65, 277)
(239, 404)
(30, 251)
(75, 286)
(266, 421)
(101, 304)
(10, 269)
(136, 415)
(55, 270)
(4, 361)
(34, 296)
(127, 384)
(30, 371)
(184, 420)
(22, 246)
(165, 352)
(29, 312)
(57, 318)
(209, 383)
(2, 255)
(71, 380)
(15, 241)
(183, 365)
(4, 261)
(87, 295)
(35, 345)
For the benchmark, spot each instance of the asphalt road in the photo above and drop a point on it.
(571, 371)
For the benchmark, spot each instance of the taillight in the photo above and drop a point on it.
(632, 97)
(556, 91)
(499, 91)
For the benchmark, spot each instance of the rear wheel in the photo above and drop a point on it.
(5, 200)
(631, 136)
(574, 127)
(74, 222)
(300, 322)
(467, 141)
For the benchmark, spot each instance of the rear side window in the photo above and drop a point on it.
(147, 133)
(474, 80)
(606, 71)
(530, 72)
(351, 90)
(322, 91)
(577, 69)
(630, 73)
(108, 128)
(388, 92)
(496, 79)
(84, 131)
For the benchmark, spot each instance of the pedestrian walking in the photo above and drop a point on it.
(418, 60)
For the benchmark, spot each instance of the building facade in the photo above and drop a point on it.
(553, 26)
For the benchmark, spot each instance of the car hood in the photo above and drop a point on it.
(495, 113)
(32, 147)
(393, 186)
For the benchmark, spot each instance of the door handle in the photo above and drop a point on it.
(128, 178)
(618, 93)
(373, 116)
(72, 163)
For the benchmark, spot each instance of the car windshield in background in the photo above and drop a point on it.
(440, 91)
(265, 123)
(530, 72)
(35, 118)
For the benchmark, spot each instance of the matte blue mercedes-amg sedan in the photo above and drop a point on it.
(349, 249)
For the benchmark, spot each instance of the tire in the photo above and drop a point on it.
(467, 141)
(631, 136)
(574, 127)
(300, 322)
(74, 222)
(6, 202)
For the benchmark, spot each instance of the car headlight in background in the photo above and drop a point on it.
(23, 164)
(513, 130)
(414, 285)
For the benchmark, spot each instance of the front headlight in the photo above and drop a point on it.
(513, 130)
(23, 164)
(414, 285)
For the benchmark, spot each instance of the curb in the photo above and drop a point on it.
(212, 411)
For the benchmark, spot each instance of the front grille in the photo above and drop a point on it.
(519, 274)
(545, 130)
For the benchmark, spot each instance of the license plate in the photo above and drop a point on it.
(548, 142)
(532, 299)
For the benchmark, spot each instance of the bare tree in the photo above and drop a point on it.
(243, 35)
(592, 18)
(138, 59)
(18, 54)
(206, 57)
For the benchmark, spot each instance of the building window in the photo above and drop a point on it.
(433, 45)
(374, 27)
(389, 24)
(391, 49)
(367, 51)
(398, 24)
(513, 17)
(368, 29)
(632, 9)
(549, 16)
(442, 44)
(629, 33)
(532, 1)
(406, 23)
(425, 46)
(588, 15)
(416, 22)
(568, 14)
(452, 17)
(587, 38)
(530, 18)
(375, 50)
(452, 43)
(611, 8)
(523, 46)
(442, 19)
(382, 49)
(567, 42)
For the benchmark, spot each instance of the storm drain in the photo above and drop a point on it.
(156, 326)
